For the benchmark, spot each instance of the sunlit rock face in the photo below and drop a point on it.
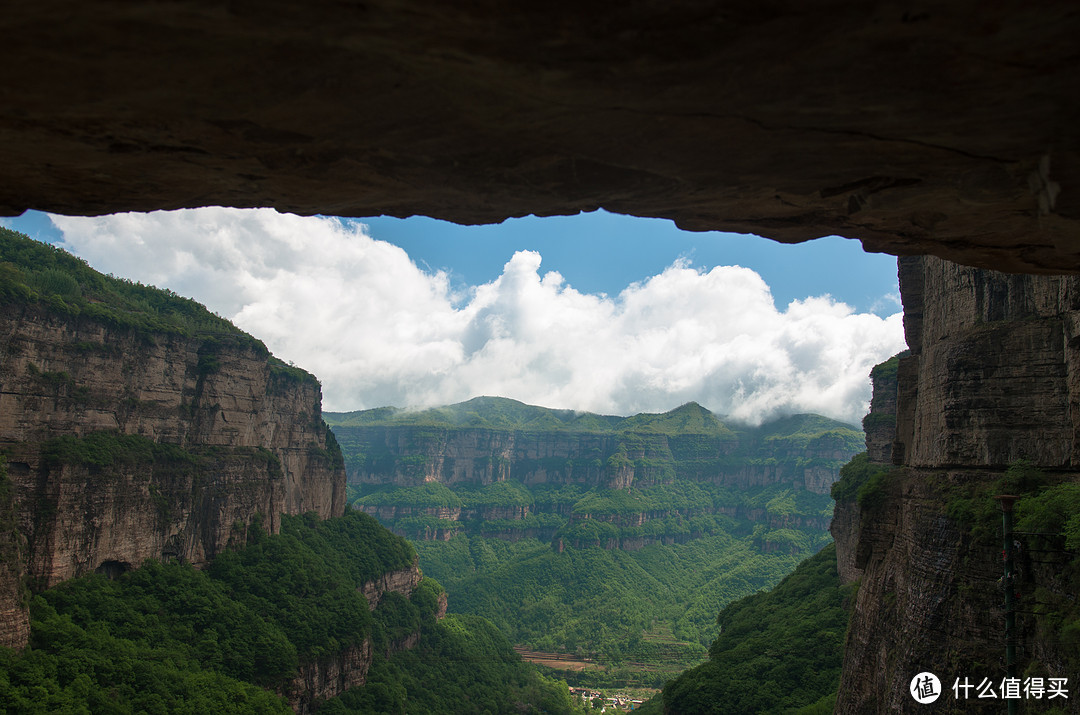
(948, 130)
(993, 372)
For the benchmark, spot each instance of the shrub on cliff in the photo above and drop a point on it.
(105, 449)
(861, 481)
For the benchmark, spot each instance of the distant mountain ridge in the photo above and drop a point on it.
(507, 414)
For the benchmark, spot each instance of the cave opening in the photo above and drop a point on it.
(112, 569)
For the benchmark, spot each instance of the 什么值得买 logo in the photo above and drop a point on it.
(925, 688)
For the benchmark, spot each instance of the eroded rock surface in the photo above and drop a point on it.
(247, 440)
(991, 379)
(328, 677)
(403, 582)
(947, 129)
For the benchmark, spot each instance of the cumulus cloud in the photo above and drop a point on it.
(379, 330)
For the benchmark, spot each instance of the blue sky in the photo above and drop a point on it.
(598, 312)
(603, 253)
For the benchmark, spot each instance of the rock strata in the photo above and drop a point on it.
(328, 678)
(991, 378)
(408, 455)
(218, 446)
(403, 582)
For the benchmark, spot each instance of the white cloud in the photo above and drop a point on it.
(378, 330)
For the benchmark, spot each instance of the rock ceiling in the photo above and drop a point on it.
(949, 128)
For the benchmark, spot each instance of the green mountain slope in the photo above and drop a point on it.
(169, 638)
(654, 608)
(490, 412)
(43, 276)
(778, 651)
(501, 413)
(613, 538)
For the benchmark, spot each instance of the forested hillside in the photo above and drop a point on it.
(778, 652)
(235, 637)
(137, 424)
(646, 614)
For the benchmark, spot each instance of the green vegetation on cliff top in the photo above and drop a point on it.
(38, 274)
(886, 371)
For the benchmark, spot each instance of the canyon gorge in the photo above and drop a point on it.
(917, 129)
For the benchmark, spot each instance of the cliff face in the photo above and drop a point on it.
(853, 537)
(331, 676)
(411, 455)
(590, 480)
(14, 624)
(991, 378)
(879, 425)
(225, 436)
(328, 678)
(403, 582)
(993, 373)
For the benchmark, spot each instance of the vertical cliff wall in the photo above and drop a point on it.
(991, 379)
(618, 482)
(854, 537)
(125, 444)
(803, 451)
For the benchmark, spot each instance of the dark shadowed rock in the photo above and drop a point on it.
(948, 130)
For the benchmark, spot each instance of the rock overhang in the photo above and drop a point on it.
(940, 129)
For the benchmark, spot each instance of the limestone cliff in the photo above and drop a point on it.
(879, 425)
(125, 443)
(786, 451)
(403, 582)
(587, 479)
(328, 677)
(14, 624)
(991, 378)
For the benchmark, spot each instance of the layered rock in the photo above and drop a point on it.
(991, 378)
(331, 676)
(994, 358)
(410, 455)
(616, 489)
(414, 455)
(947, 128)
(879, 425)
(14, 624)
(403, 582)
(221, 435)
(328, 677)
